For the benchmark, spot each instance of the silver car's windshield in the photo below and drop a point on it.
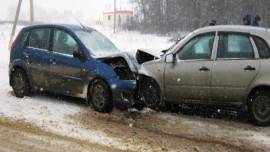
(96, 43)
(178, 42)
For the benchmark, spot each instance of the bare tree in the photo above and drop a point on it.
(169, 16)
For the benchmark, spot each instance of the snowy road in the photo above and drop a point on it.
(88, 130)
(45, 122)
(18, 136)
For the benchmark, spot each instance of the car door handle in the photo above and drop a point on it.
(26, 54)
(250, 68)
(53, 61)
(204, 69)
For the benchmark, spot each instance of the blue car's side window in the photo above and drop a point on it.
(24, 39)
(64, 43)
(40, 38)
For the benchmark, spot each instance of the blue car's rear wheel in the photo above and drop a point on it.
(20, 83)
(100, 96)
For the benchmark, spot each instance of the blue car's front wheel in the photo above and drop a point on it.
(100, 96)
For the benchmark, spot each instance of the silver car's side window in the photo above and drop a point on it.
(262, 46)
(198, 48)
(64, 43)
(234, 46)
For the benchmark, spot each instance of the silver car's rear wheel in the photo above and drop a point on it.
(100, 96)
(259, 108)
(150, 94)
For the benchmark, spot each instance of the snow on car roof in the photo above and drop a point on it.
(68, 26)
(239, 28)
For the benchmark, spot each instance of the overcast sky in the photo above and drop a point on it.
(61, 11)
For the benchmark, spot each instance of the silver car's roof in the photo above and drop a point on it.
(259, 31)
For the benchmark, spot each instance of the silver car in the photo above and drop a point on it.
(227, 66)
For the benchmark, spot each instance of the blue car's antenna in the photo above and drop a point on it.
(78, 21)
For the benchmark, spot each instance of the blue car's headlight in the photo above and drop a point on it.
(121, 68)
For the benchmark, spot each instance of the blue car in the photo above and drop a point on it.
(75, 61)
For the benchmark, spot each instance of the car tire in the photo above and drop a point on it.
(259, 108)
(150, 94)
(100, 96)
(20, 83)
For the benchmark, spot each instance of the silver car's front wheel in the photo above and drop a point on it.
(150, 94)
(259, 108)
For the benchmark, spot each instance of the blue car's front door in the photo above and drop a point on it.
(68, 73)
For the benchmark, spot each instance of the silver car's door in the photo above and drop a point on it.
(235, 67)
(190, 76)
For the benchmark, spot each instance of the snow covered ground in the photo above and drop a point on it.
(64, 116)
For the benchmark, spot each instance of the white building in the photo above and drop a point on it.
(122, 18)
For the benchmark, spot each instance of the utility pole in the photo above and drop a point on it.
(114, 22)
(31, 13)
(16, 20)
(15, 24)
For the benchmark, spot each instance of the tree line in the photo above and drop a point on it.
(170, 16)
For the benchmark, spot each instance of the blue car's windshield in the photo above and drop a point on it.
(96, 43)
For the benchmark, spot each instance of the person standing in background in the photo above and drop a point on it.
(247, 19)
(257, 21)
(213, 22)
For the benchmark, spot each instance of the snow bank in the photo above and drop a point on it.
(130, 41)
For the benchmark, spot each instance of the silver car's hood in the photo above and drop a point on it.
(145, 55)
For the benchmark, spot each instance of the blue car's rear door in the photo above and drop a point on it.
(38, 56)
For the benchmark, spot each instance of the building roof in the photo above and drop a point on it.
(119, 12)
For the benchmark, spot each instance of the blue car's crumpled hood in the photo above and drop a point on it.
(128, 56)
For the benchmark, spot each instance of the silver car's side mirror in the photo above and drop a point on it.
(170, 58)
